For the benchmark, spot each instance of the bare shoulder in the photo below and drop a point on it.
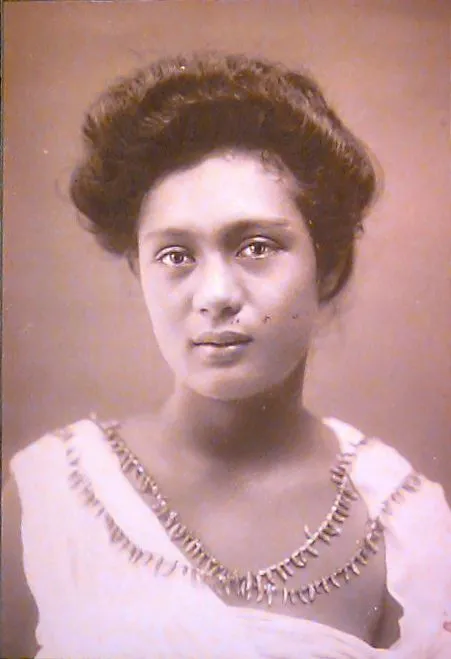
(18, 610)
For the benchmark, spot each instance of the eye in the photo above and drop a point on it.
(175, 257)
(258, 248)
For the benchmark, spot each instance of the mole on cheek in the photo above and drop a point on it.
(266, 319)
(295, 316)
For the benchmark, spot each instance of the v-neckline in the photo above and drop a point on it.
(118, 489)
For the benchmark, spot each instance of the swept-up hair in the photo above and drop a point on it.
(173, 113)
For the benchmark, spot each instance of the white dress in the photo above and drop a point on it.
(83, 517)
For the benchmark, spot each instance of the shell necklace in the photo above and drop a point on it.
(270, 581)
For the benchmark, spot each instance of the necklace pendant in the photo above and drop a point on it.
(201, 558)
(344, 504)
(334, 580)
(267, 574)
(197, 551)
(311, 592)
(372, 545)
(250, 583)
(241, 589)
(285, 596)
(289, 596)
(308, 594)
(325, 586)
(170, 520)
(312, 551)
(331, 529)
(298, 559)
(281, 572)
(130, 462)
(287, 567)
(270, 591)
(236, 584)
(361, 557)
(260, 588)
(324, 537)
(160, 507)
(339, 471)
(193, 547)
(338, 517)
(301, 593)
(224, 583)
(212, 567)
(177, 531)
(245, 587)
(142, 479)
(350, 495)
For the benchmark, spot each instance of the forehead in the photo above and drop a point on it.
(219, 189)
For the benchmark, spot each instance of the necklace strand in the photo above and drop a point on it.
(263, 583)
(305, 594)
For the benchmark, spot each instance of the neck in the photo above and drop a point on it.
(255, 429)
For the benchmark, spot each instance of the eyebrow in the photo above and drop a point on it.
(235, 227)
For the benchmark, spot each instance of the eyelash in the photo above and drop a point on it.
(170, 252)
(270, 246)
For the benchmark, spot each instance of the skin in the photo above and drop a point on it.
(222, 246)
(234, 444)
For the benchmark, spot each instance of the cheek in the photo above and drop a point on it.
(158, 309)
(288, 328)
(292, 303)
(165, 310)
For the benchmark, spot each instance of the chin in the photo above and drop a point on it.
(228, 387)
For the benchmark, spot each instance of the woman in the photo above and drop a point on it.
(231, 522)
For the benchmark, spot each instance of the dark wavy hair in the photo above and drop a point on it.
(176, 111)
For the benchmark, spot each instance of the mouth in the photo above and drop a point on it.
(221, 339)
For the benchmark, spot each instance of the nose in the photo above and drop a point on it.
(218, 292)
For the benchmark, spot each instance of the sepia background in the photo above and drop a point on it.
(76, 338)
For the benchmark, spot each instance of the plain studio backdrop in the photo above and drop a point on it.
(76, 335)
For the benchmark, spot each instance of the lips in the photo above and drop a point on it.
(221, 339)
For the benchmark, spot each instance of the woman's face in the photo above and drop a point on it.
(229, 276)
